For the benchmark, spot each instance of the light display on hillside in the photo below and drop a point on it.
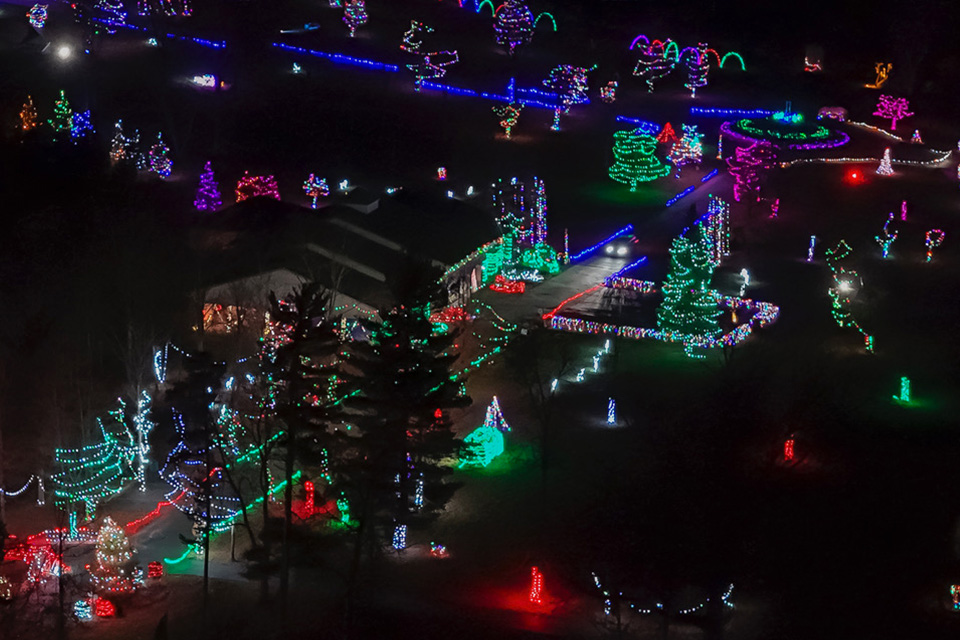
(634, 160)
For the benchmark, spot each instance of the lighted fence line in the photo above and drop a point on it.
(339, 58)
(589, 250)
(203, 42)
(659, 606)
(617, 274)
(13, 494)
(513, 94)
(680, 195)
(710, 175)
(944, 156)
(645, 126)
(716, 112)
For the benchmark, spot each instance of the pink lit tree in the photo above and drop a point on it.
(748, 165)
(894, 109)
(208, 193)
(253, 186)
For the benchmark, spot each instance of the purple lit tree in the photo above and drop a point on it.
(748, 165)
(208, 193)
(513, 24)
(894, 109)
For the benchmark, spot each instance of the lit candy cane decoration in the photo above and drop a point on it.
(536, 586)
(933, 240)
(903, 211)
(611, 411)
(813, 243)
(888, 238)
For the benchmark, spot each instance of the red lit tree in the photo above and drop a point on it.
(667, 135)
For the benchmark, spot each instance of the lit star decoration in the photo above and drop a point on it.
(844, 283)
(688, 150)
(62, 115)
(37, 15)
(508, 114)
(513, 24)
(80, 126)
(28, 115)
(933, 239)
(314, 188)
(882, 70)
(159, 158)
(887, 239)
(252, 186)
(634, 161)
(354, 15)
(893, 109)
(208, 192)
(885, 168)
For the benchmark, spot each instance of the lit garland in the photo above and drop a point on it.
(751, 130)
(718, 112)
(159, 156)
(933, 239)
(114, 12)
(644, 126)
(314, 188)
(355, 15)
(62, 115)
(37, 15)
(28, 115)
(634, 160)
(887, 239)
(252, 186)
(618, 274)
(508, 114)
(844, 282)
(514, 24)
(935, 162)
(893, 109)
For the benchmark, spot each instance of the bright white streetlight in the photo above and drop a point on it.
(64, 52)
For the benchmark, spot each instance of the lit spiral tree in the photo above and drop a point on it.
(514, 24)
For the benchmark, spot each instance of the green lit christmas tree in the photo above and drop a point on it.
(62, 116)
(689, 308)
(634, 159)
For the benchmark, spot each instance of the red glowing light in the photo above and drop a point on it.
(788, 450)
(155, 569)
(536, 586)
(104, 608)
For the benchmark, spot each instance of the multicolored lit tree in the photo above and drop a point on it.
(687, 150)
(508, 114)
(114, 570)
(252, 186)
(208, 192)
(410, 44)
(698, 66)
(634, 161)
(689, 309)
(894, 109)
(570, 84)
(355, 15)
(748, 165)
(62, 115)
(315, 188)
(159, 157)
(514, 24)
(118, 144)
(885, 168)
(28, 115)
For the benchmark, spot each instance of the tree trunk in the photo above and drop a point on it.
(287, 517)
